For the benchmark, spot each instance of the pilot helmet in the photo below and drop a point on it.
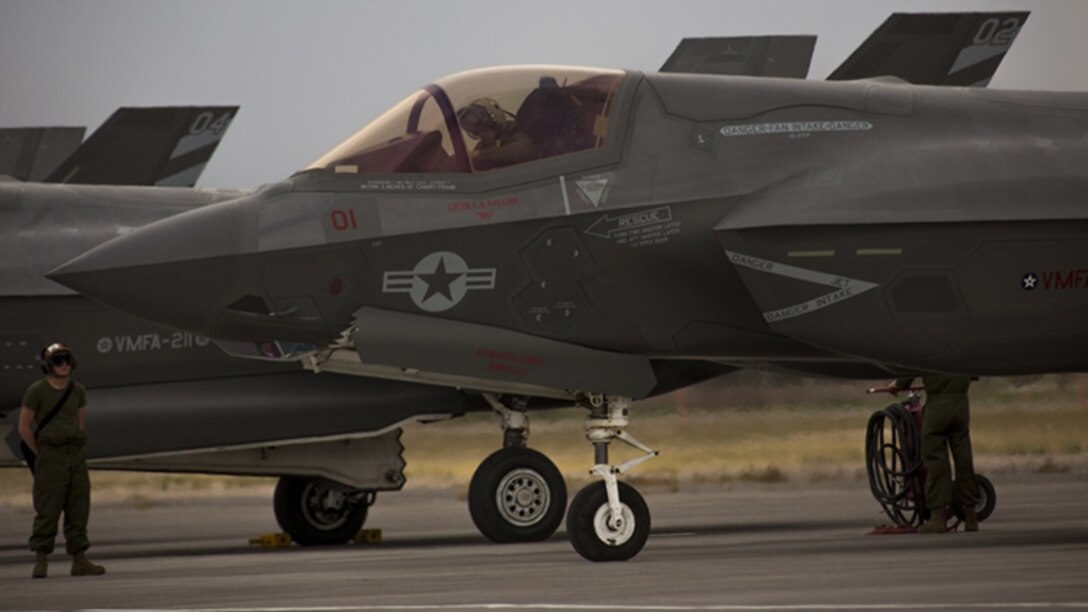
(54, 355)
(480, 114)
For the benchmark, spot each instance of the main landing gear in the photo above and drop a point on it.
(317, 515)
(518, 495)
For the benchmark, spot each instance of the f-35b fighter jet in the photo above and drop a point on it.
(543, 234)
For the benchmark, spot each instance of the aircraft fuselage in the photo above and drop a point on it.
(850, 228)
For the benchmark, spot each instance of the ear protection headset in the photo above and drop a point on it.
(45, 359)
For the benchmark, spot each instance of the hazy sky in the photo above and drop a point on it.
(308, 74)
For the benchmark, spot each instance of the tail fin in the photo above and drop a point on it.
(774, 56)
(961, 49)
(31, 154)
(165, 146)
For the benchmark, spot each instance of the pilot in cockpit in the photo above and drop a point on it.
(501, 141)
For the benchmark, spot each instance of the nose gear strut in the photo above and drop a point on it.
(605, 423)
(613, 526)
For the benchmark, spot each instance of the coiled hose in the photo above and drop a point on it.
(893, 461)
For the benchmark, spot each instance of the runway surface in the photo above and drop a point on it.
(754, 547)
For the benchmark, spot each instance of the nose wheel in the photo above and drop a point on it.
(609, 520)
(599, 534)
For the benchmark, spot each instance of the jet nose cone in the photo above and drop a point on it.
(169, 272)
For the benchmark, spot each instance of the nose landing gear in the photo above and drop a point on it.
(609, 521)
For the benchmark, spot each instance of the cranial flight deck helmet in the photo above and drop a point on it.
(480, 114)
(56, 354)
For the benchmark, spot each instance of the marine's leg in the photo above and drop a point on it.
(959, 439)
(50, 491)
(935, 456)
(938, 472)
(77, 513)
(77, 507)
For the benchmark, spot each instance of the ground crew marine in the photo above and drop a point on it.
(61, 481)
(946, 425)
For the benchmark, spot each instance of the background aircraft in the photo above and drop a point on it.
(33, 153)
(672, 227)
(163, 146)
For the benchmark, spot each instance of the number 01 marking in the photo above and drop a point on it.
(343, 220)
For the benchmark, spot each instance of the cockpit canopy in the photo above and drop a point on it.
(484, 119)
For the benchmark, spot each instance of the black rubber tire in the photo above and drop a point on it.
(582, 518)
(534, 499)
(987, 500)
(296, 506)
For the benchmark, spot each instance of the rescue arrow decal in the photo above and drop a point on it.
(845, 288)
(609, 224)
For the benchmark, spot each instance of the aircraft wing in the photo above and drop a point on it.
(262, 424)
(32, 153)
(160, 146)
(773, 56)
(962, 49)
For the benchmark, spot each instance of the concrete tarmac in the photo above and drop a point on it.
(752, 547)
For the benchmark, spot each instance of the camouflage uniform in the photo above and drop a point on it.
(946, 425)
(61, 482)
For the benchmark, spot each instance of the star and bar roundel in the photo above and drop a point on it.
(439, 281)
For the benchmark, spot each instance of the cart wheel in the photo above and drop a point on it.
(987, 500)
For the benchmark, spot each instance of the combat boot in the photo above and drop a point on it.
(41, 565)
(82, 566)
(970, 520)
(935, 524)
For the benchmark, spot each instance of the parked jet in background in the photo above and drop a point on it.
(334, 261)
(963, 49)
(164, 146)
(33, 153)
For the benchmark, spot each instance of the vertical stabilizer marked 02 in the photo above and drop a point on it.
(960, 49)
